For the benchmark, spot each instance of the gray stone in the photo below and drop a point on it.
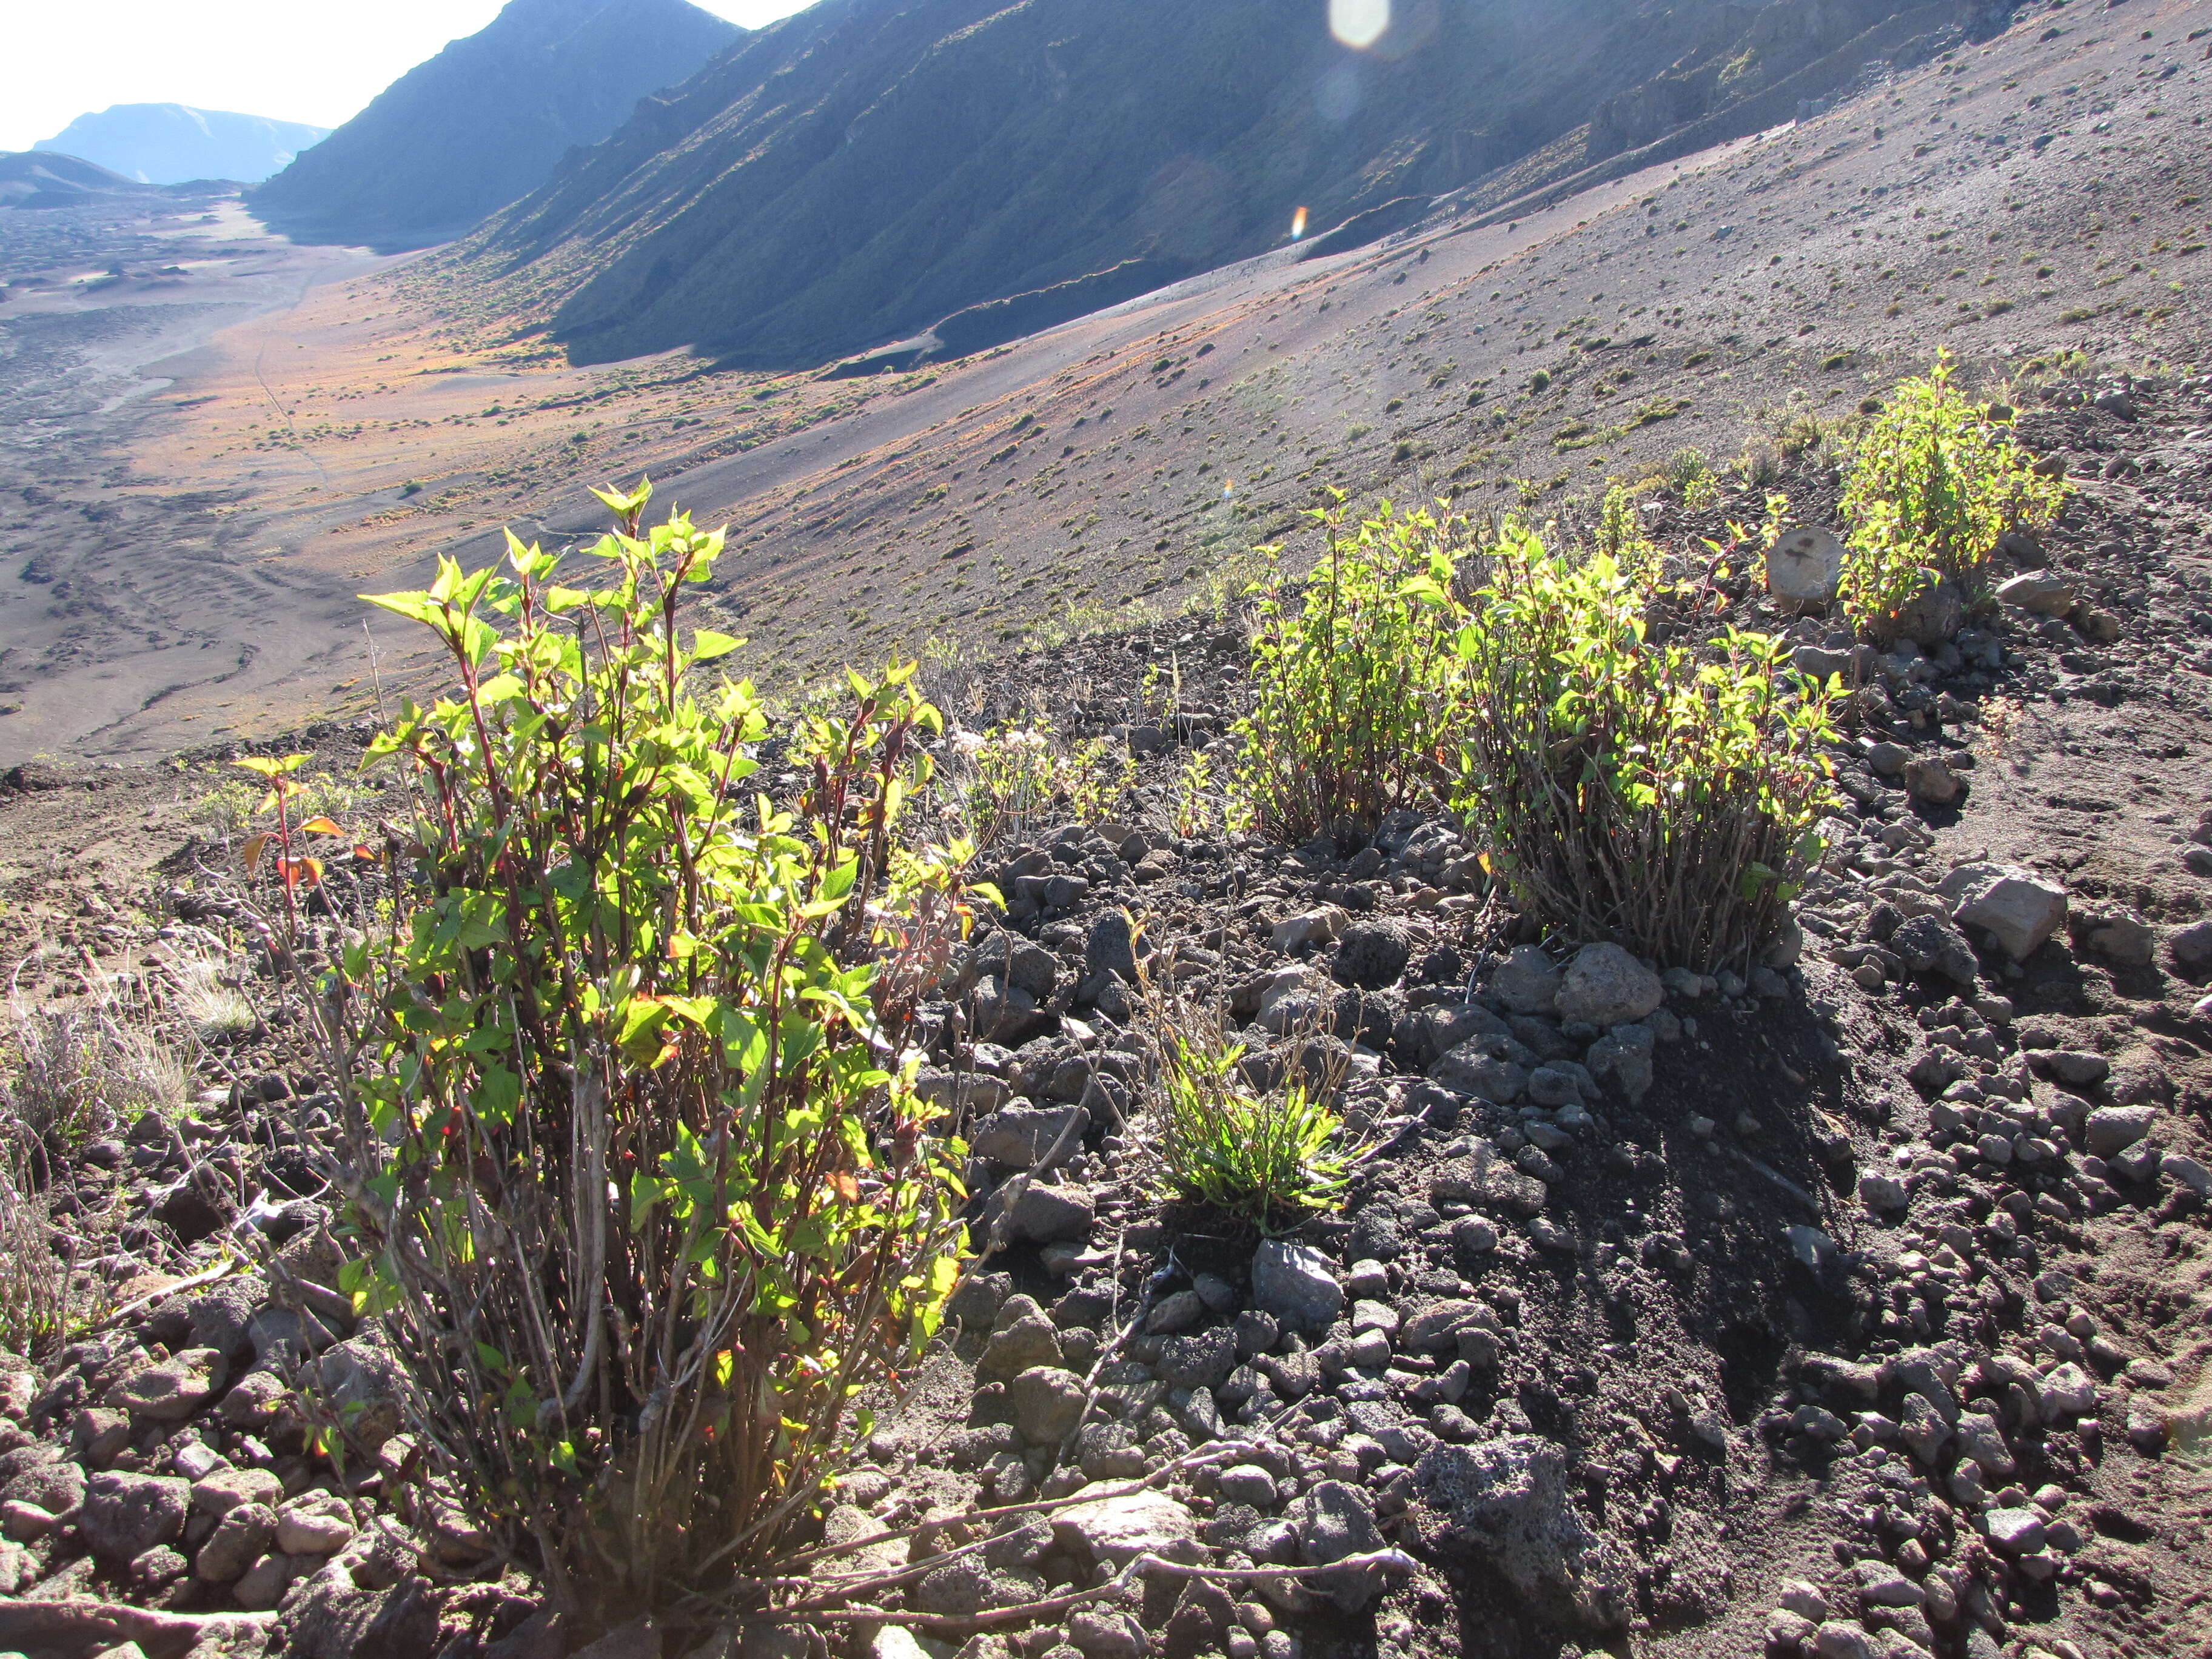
(1046, 1215)
(1923, 1429)
(1202, 1360)
(2120, 936)
(225, 1490)
(2077, 1068)
(1022, 1136)
(1115, 1531)
(1980, 1439)
(1604, 986)
(53, 1485)
(314, 1523)
(242, 1537)
(1111, 947)
(1107, 1634)
(1047, 1404)
(222, 1313)
(1247, 1483)
(1293, 1282)
(1373, 955)
(1470, 1070)
(1881, 1585)
(126, 1515)
(1929, 943)
(172, 1390)
(2017, 907)
(2176, 1166)
(2111, 1130)
(1929, 617)
(1883, 1193)
(2013, 1532)
(1026, 1338)
(1554, 1085)
(1927, 779)
(1336, 1520)
(2041, 592)
(1846, 1638)
(2068, 1391)
(1804, 567)
(2191, 946)
(254, 1400)
(1503, 1504)
(1175, 1312)
(362, 1381)
(1622, 1060)
(1527, 982)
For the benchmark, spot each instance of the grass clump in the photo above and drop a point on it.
(1267, 1157)
(636, 1177)
(1648, 794)
(1348, 722)
(71, 1075)
(34, 1281)
(1936, 481)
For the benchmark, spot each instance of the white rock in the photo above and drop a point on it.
(1313, 928)
(2019, 907)
(1804, 567)
(1116, 1530)
(2038, 591)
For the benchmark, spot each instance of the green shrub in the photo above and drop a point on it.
(635, 1173)
(1268, 1158)
(1011, 778)
(1936, 480)
(1628, 790)
(1346, 721)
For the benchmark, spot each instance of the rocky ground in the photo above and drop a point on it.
(1855, 1304)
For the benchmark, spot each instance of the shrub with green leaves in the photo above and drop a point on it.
(1347, 672)
(1647, 794)
(1008, 779)
(1936, 481)
(637, 1179)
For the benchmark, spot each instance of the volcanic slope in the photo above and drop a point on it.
(2034, 196)
(486, 119)
(863, 170)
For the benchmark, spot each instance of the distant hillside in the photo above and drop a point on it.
(485, 120)
(868, 168)
(169, 144)
(35, 178)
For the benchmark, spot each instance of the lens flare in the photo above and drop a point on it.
(1297, 224)
(1359, 23)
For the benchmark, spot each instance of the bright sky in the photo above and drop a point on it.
(297, 60)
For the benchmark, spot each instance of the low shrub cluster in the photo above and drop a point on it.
(1660, 796)
(1936, 481)
(1348, 720)
(1654, 795)
(1004, 781)
(635, 1169)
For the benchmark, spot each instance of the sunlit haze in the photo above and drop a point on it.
(317, 61)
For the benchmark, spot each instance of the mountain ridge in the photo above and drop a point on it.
(867, 168)
(486, 119)
(174, 144)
